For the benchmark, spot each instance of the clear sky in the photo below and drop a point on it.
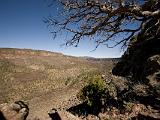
(22, 26)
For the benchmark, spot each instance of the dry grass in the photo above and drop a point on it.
(33, 74)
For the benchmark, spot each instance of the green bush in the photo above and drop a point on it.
(94, 92)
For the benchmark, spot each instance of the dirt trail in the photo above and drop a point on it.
(60, 99)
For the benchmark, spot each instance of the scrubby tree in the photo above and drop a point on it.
(108, 22)
(94, 94)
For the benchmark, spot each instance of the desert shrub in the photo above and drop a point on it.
(94, 93)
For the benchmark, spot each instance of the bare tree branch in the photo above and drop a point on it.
(105, 20)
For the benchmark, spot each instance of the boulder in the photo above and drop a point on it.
(53, 113)
(15, 111)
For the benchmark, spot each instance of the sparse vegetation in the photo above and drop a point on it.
(29, 74)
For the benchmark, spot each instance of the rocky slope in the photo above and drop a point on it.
(44, 79)
(49, 83)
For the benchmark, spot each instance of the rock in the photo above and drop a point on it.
(152, 71)
(152, 65)
(145, 112)
(92, 117)
(61, 115)
(15, 111)
(53, 113)
(104, 116)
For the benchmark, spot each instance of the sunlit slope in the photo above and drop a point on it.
(25, 73)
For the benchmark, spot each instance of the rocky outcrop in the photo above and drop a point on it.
(15, 111)
(140, 64)
(134, 61)
(141, 61)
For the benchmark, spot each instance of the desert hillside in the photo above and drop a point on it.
(45, 79)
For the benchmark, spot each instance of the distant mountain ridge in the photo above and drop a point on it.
(20, 51)
(99, 59)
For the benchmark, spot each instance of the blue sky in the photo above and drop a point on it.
(22, 26)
